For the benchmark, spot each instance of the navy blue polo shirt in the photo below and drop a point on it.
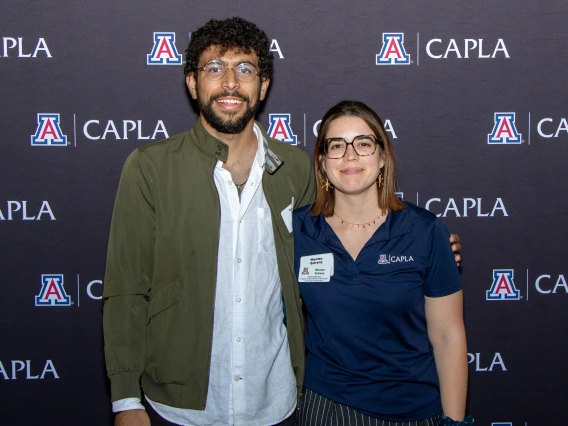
(367, 342)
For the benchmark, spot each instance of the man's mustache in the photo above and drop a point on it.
(231, 94)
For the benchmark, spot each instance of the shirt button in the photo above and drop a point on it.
(239, 260)
(237, 378)
(238, 339)
(238, 300)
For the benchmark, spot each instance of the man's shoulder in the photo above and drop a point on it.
(173, 143)
(286, 150)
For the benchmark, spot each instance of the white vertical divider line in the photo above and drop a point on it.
(529, 137)
(527, 299)
(74, 131)
(417, 49)
(305, 142)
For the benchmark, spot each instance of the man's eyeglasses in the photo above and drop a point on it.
(363, 145)
(215, 70)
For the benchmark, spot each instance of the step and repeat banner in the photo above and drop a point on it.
(473, 94)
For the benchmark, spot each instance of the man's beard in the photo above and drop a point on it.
(227, 124)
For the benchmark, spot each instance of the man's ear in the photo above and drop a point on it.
(191, 83)
(264, 87)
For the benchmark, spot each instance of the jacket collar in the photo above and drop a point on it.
(220, 150)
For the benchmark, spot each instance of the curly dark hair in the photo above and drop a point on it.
(233, 33)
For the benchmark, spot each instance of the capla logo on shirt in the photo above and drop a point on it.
(503, 287)
(164, 51)
(385, 259)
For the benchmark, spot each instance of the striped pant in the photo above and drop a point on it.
(317, 410)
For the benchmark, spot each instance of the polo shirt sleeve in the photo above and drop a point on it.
(442, 275)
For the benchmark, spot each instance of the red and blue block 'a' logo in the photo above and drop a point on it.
(52, 292)
(393, 52)
(504, 129)
(503, 286)
(164, 51)
(48, 132)
(280, 129)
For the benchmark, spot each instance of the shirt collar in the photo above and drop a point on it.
(266, 154)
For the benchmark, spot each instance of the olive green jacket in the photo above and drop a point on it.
(159, 285)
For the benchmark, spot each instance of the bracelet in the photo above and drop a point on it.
(447, 421)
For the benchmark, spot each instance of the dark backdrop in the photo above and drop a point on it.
(474, 95)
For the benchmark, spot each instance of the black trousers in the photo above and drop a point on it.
(317, 410)
(157, 420)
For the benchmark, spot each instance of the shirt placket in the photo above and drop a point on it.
(244, 248)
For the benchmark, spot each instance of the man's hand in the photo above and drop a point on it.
(132, 418)
(456, 247)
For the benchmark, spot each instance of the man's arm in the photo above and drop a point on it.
(456, 247)
(132, 418)
(306, 179)
(129, 269)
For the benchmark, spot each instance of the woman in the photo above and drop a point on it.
(385, 337)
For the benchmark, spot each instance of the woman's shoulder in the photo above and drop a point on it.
(417, 215)
(302, 212)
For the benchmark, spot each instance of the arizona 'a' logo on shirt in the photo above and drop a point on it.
(280, 129)
(503, 286)
(393, 52)
(504, 129)
(383, 259)
(164, 51)
(52, 292)
(48, 131)
(305, 271)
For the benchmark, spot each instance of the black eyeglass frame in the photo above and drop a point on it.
(377, 140)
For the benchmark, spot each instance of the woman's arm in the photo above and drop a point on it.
(444, 316)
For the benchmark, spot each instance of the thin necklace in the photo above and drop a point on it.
(240, 187)
(358, 224)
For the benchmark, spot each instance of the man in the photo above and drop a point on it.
(202, 309)
(200, 262)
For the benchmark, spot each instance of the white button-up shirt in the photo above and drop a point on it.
(251, 381)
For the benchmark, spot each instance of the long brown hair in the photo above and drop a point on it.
(325, 200)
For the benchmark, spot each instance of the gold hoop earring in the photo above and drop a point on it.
(327, 185)
(380, 179)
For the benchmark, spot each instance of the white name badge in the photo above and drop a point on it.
(287, 216)
(317, 268)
